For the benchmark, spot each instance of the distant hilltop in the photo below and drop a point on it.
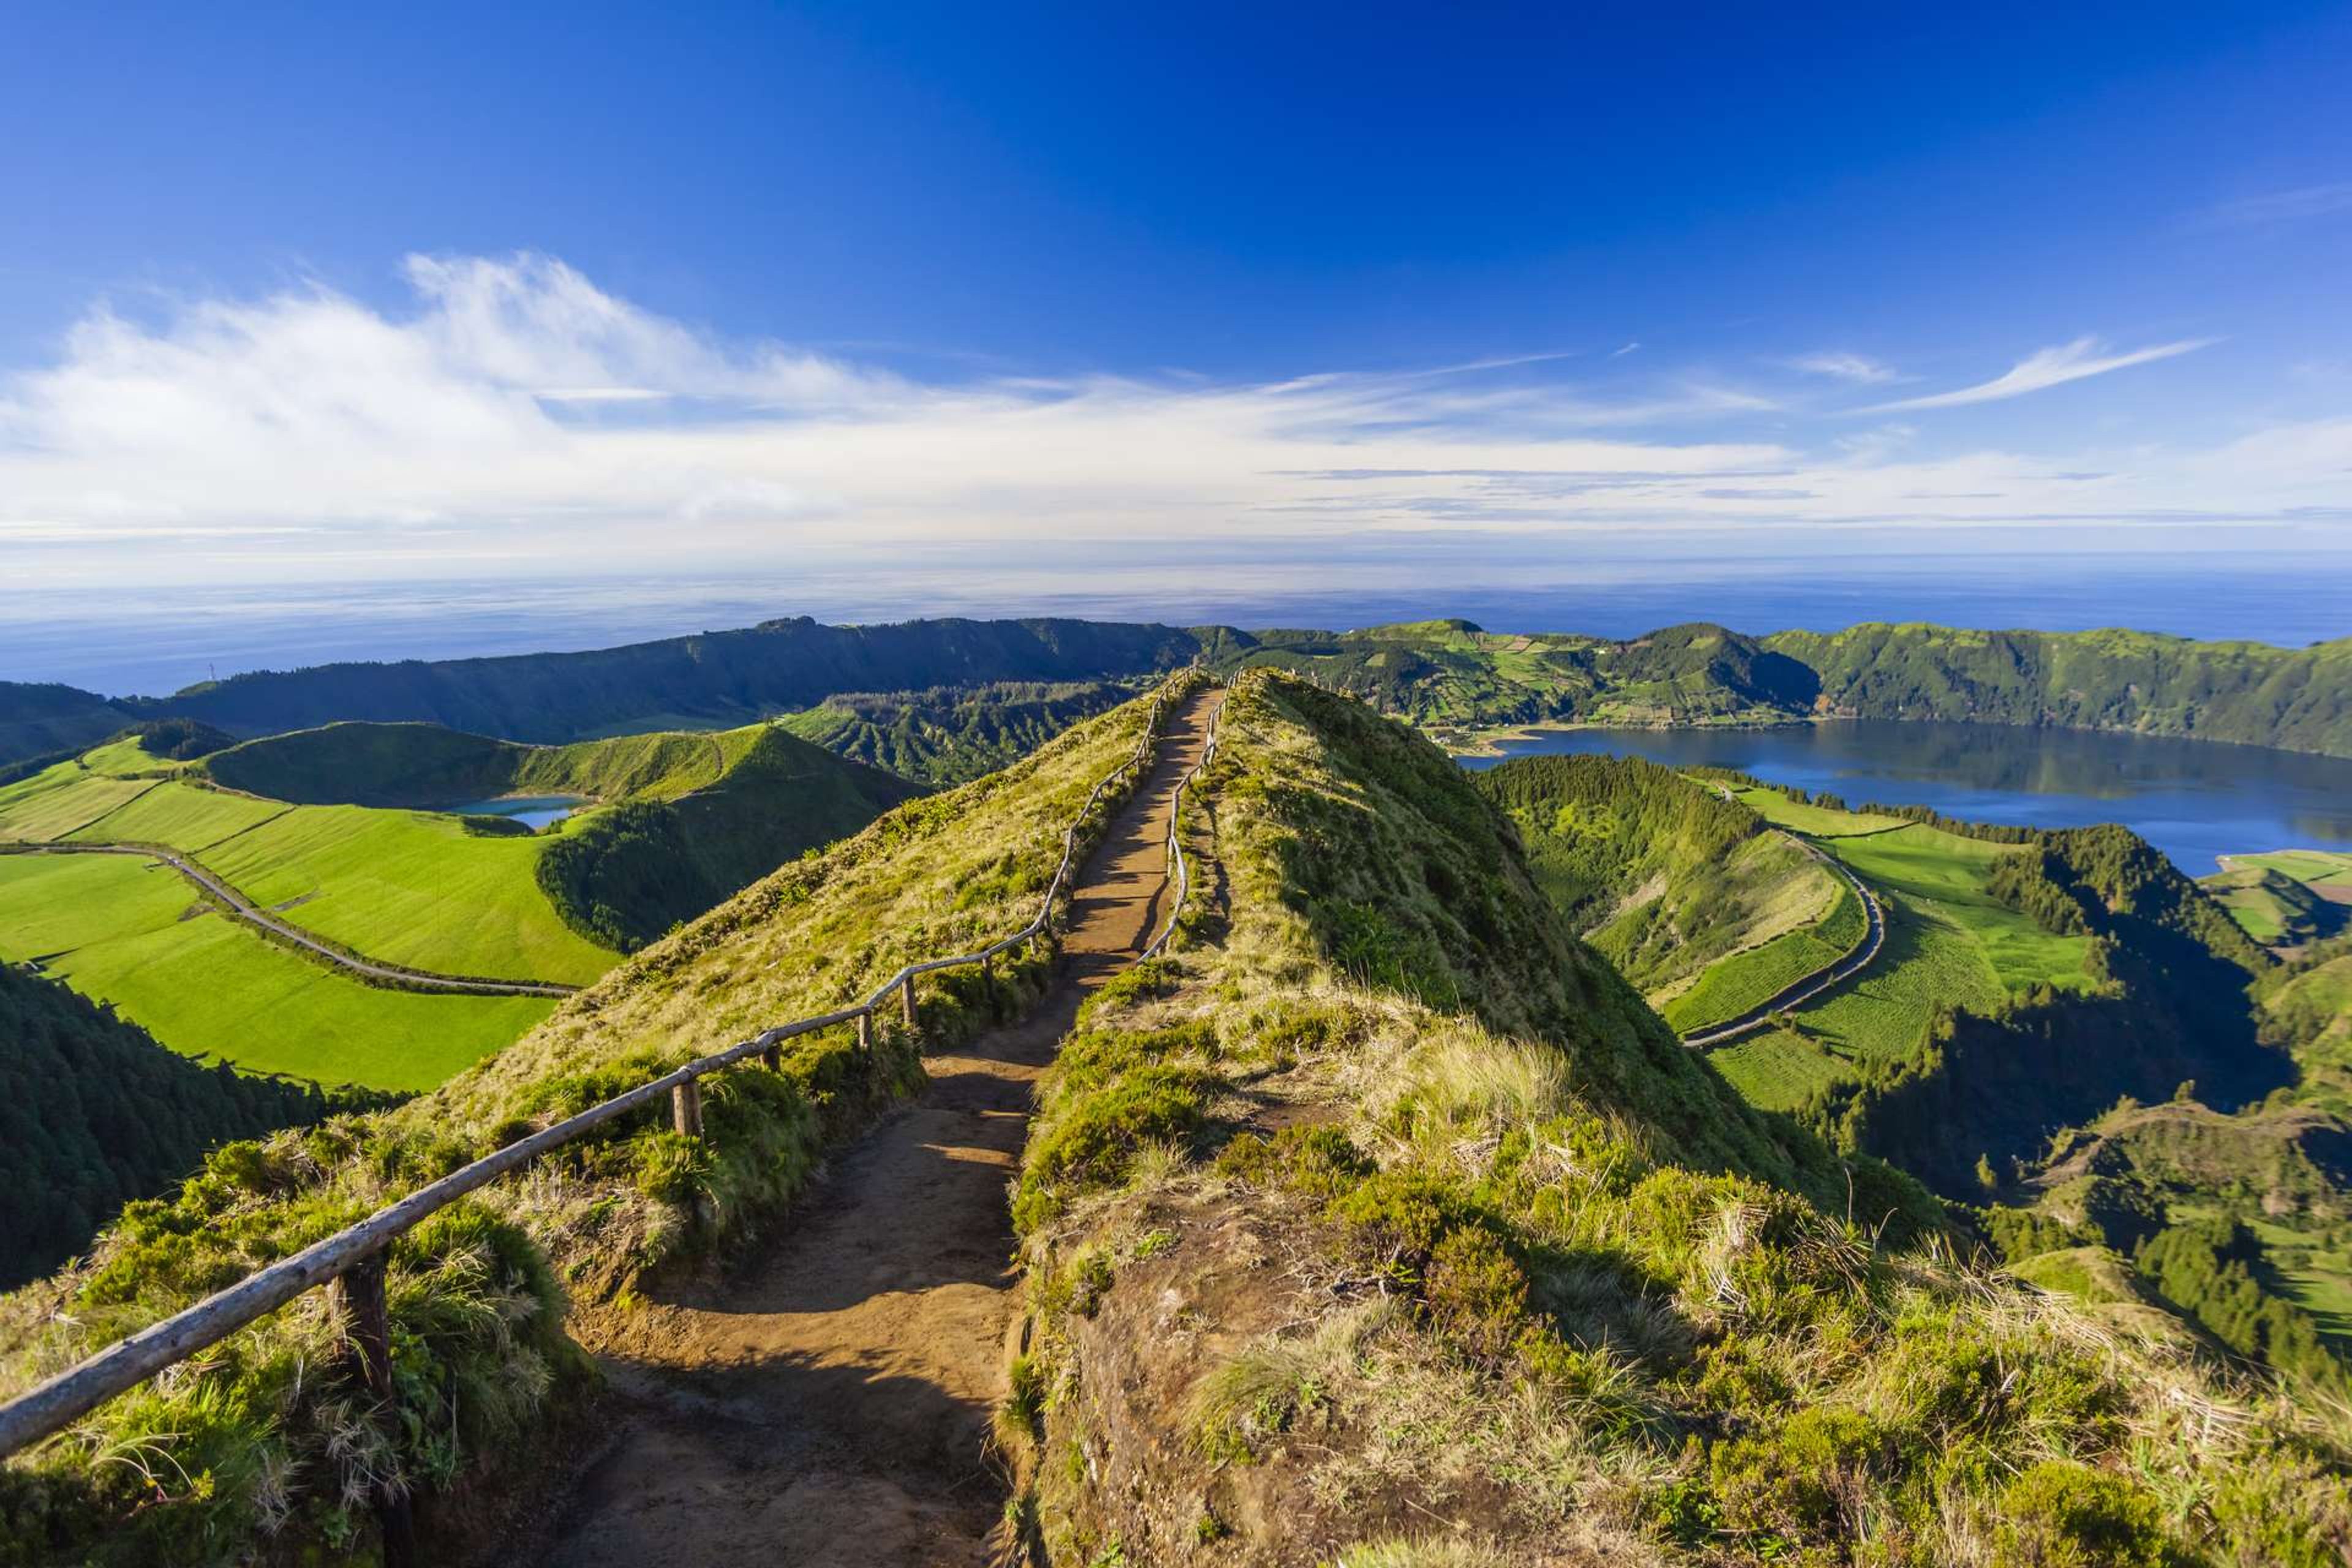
(1446, 674)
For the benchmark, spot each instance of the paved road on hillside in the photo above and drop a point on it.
(1799, 992)
(244, 908)
(827, 1404)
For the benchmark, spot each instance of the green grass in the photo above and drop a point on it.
(1814, 821)
(1776, 1070)
(2303, 865)
(1747, 980)
(1949, 943)
(412, 888)
(181, 816)
(127, 758)
(208, 986)
(66, 799)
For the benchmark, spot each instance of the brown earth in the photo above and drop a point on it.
(830, 1403)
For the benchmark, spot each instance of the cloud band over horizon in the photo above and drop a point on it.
(520, 410)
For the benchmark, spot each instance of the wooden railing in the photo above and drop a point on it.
(352, 1261)
(1181, 874)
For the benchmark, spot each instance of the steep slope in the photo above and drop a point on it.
(623, 877)
(2296, 698)
(94, 1113)
(39, 719)
(1452, 675)
(951, 734)
(1381, 1222)
(266, 1450)
(717, 678)
(1689, 895)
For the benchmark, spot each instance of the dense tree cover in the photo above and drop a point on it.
(2213, 1270)
(951, 734)
(1666, 877)
(94, 1113)
(626, 876)
(179, 740)
(2300, 698)
(716, 678)
(1450, 673)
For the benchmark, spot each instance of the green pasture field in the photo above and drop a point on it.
(2312, 866)
(66, 799)
(207, 985)
(1744, 980)
(1776, 1071)
(1949, 943)
(1812, 821)
(127, 758)
(181, 816)
(412, 888)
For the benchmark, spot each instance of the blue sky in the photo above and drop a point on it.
(297, 292)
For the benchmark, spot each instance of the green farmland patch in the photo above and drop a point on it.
(181, 816)
(412, 888)
(65, 802)
(113, 928)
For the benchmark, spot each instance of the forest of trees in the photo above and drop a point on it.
(94, 1113)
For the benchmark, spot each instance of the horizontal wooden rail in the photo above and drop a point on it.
(131, 1361)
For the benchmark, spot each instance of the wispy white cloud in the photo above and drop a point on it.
(519, 412)
(2048, 367)
(1860, 369)
(2279, 206)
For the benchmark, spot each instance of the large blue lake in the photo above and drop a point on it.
(2194, 800)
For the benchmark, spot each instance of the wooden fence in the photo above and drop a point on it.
(352, 1261)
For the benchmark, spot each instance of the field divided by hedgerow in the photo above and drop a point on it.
(52, 805)
(118, 930)
(181, 816)
(412, 888)
(1949, 943)
(1748, 980)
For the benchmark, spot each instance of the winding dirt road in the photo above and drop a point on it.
(828, 1404)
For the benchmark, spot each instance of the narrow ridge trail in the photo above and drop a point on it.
(827, 1403)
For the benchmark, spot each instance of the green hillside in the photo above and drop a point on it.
(1450, 675)
(2286, 897)
(623, 877)
(2239, 1223)
(258, 1456)
(2026, 981)
(1688, 894)
(951, 734)
(693, 818)
(717, 679)
(94, 1113)
(137, 938)
(1382, 1191)
(1384, 1202)
(2297, 698)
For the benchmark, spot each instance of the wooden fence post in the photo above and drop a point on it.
(865, 1033)
(686, 1107)
(357, 1295)
(907, 1000)
(772, 1058)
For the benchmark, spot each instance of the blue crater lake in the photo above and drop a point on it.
(535, 811)
(2195, 800)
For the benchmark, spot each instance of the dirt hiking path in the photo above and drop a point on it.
(827, 1404)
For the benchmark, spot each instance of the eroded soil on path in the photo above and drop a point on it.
(828, 1404)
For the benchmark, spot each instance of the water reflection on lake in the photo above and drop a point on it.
(2194, 800)
(535, 811)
